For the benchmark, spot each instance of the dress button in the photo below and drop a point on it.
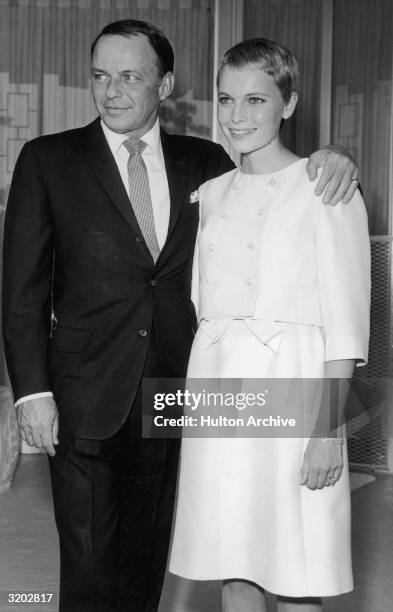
(248, 281)
(261, 211)
(211, 247)
(142, 332)
(153, 282)
(138, 239)
(251, 245)
(272, 183)
(234, 186)
(224, 214)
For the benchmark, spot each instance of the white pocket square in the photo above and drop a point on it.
(194, 197)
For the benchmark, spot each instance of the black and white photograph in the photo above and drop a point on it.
(196, 399)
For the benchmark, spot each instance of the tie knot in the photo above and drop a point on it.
(134, 145)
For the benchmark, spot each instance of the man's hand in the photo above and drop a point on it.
(38, 421)
(322, 464)
(338, 174)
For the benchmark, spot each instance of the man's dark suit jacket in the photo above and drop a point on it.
(67, 198)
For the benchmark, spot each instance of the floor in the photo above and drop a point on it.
(29, 557)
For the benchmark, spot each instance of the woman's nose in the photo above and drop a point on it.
(238, 113)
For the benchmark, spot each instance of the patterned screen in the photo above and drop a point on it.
(369, 425)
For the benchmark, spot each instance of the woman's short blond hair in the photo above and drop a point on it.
(273, 58)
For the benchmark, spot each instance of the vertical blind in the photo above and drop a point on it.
(297, 25)
(362, 97)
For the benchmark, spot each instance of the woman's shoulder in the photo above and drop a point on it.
(291, 177)
(295, 185)
(296, 172)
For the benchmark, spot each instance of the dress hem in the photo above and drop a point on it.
(270, 588)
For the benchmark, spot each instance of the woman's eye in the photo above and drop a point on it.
(256, 100)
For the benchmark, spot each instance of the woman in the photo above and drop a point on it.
(282, 287)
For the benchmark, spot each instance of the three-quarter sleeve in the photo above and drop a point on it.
(344, 266)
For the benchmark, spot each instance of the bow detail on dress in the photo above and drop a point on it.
(269, 333)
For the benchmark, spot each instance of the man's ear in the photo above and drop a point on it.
(166, 86)
(290, 107)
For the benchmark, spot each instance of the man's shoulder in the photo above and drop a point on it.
(63, 138)
(192, 143)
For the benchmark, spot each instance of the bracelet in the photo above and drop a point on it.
(327, 440)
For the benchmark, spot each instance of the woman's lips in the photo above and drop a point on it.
(241, 133)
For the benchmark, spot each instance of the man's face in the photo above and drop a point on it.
(126, 86)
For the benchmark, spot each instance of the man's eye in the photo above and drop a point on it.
(99, 77)
(224, 100)
(256, 100)
(130, 77)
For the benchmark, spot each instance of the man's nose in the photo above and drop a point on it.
(113, 89)
(238, 113)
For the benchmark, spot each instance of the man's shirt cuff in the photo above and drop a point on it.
(26, 398)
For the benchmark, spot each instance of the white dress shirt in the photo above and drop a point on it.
(155, 165)
(159, 190)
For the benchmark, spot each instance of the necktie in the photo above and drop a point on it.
(140, 194)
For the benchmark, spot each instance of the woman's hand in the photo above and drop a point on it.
(322, 463)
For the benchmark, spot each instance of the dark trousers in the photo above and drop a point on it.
(113, 504)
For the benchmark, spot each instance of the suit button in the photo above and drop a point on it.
(251, 245)
(261, 212)
(153, 282)
(211, 247)
(138, 239)
(142, 332)
(248, 281)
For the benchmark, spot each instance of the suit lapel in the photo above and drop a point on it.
(177, 179)
(99, 158)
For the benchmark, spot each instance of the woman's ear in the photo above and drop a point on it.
(289, 108)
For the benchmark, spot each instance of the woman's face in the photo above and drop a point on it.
(250, 107)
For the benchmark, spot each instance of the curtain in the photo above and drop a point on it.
(362, 97)
(45, 66)
(297, 25)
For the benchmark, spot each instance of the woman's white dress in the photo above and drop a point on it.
(241, 512)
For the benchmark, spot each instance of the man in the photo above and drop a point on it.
(99, 239)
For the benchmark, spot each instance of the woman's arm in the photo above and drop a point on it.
(341, 368)
(343, 257)
(323, 459)
(331, 416)
(344, 279)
